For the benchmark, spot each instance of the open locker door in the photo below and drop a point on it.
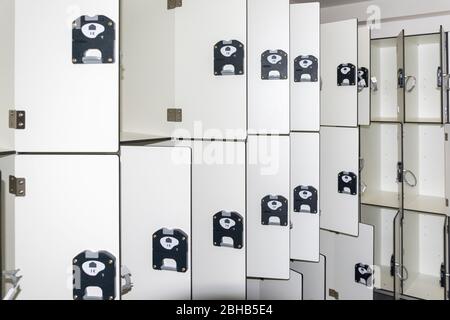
(444, 77)
(401, 76)
(339, 54)
(313, 278)
(397, 267)
(446, 276)
(156, 222)
(304, 206)
(364, 74)
(66, 233)
(67, 85)
(339, 170)
(349, 264)
(269, 290)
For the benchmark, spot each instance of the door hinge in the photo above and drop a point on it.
(333, 293)
(174, 115)
(172, 4)
(17, 119)
(446, 203)
(446, 137)
(17, 186)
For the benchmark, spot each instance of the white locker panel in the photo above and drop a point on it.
(213, 106)
(339, 162)
(339, 46)
(304, 207)
(64, 213)
(270, 290)
(7, 73)
(313, 278)
(69, 107)
(447, 167)
(267, 187)
(268, 94)
(218, 184)
(305, 41)
(364, 81)
(148, 207)
(345, 256)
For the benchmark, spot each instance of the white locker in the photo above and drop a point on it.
(305, 66)
(164, 271)
(313, 278)
(292, 289)
(364, 75)
(172, 69)
(339, 54)
(64, 226)
(268, 71)
(305, 186)
(447, 167)
(268, 199)
(349, 267)
(66, 75)
(339, 180)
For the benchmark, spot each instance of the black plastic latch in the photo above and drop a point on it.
(306, 69)
(392, 271)
(228, 230)
(274, 211)
(170, 250)
(443, 276)
(364, 274)
(274, 65)
(363, 77)
(346, 75)
(305, 199)
(348, 183)
(400, 78)
(228, 58)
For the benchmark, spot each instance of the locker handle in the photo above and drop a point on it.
(399, 267)
(125, 274)
(405, 175)
(410, 88)
(374, 84)
(14, 279)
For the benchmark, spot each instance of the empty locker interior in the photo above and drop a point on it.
(314, 278)
(266, 289)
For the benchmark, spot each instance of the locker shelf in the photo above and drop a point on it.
(136, 137)
(426, 204)
(380, 198)
(423, 286)
(384, 119)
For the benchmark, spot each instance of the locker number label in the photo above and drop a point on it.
(93, 268)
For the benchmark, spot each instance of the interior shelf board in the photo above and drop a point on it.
(429, 204)
(380, 198)
(423, 286)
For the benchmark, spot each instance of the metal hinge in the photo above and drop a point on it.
(446, 203)
(333, 293)
(446, 137)
(17, 186)
(174, 115)
(172, 4)
(17, 119)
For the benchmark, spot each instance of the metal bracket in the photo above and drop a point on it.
(17, 119)
(172, 4)
(17, 186)
(125, 274)
(11, 276)
(174, 115)
(374, 84)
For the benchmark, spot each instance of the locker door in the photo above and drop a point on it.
(305, 66)
(447, 260)
(269, 290)
(158, 272)
(339, 168)
(63, 215)
(352, 266)
(447, 167)
(339, 52)
(304, 207)
(212, 104)
(268, 199)
(401, 75)
(313, 278)
(398, 268)
(268, 49)
(364, 75)
(218, 187)
(70, 99)
(444, 76)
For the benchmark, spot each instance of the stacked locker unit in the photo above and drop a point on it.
(410, 116)
(59, 141)
(184, 123)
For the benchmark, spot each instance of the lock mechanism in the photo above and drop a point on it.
(274, 211)
(364, 274)
(363, 78)
(274, 65)
(348, 183)
(228, 230)
(17, 186)
(17, 119)
(170, 250)
(305, 199)
(94, 276)
(306, 69)
(93, 40)
(228, 58)
(346, 75)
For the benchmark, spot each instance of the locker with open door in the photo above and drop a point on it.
(339, 179)
(445, 272)
(364, 74)
(266, 289)
(195, 82)
(349, 267)
(305, 66)
(70, 220)
(314, 278)
(339, 54)
(66, 89)
(268, 66)
(268, 197)
(304, 207)
(156, 222)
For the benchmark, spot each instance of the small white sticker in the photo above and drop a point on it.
(305, 63)
(345, 70)
(227, 223)
(92, 30)
(93, 268)
(169, 243)
(305, 194)
(346, 179)
(274, 205)
(274, 58)
(228, 51)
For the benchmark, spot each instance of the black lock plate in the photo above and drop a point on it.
(274, 65)
(346, 75)
(348, 183)
(93, 40)
(363, 77)
(274, 207)
(170, 245)
(229, 58)
(392, 271)
(228, 226)
(305, 199)
(94, 272)
(363, 274)
(443, 272)
(306, 69)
